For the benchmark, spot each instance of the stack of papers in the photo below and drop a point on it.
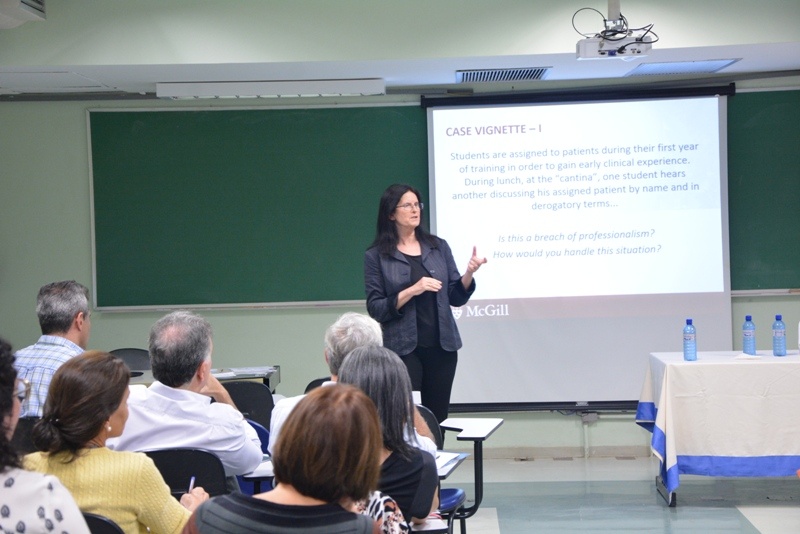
(251, 370)
(223, 374)
(264, 469)
(443, 458)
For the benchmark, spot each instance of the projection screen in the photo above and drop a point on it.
(605, 226)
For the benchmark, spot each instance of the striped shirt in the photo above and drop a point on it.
(37, 364)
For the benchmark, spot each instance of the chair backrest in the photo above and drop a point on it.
(263, 435)
(100, 524)
(253, 399)
(248, 487)
(433, 424)
(178, 466)
(136, 359)
(317, 382)
(22, 440)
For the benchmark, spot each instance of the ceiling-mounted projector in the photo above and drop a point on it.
(617, 39)
(624, 48)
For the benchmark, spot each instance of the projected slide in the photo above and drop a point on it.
(605, 227)
(616, 198)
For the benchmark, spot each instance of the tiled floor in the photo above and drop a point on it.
(618, 495)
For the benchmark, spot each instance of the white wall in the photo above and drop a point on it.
(80, 32)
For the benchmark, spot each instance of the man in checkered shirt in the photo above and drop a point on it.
(63, 311)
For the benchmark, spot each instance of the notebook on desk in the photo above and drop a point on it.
(264, 469)
(443, 458)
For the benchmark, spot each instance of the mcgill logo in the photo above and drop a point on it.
(489, 310)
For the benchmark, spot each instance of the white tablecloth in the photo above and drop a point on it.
(725, 414)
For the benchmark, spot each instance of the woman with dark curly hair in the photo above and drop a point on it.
(30, 502)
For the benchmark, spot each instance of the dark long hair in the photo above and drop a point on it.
(83, 394)
(382, 375)
(386, 237)
(8, 377)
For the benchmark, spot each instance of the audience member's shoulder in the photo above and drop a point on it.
(221, 413)
(34, 461)
(288, 403)
(30, 480)
(129, 459)
(418, 459)
(137, 393)
(428, 460)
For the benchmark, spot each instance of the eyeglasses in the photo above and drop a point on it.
(23, 389)
(410, 206)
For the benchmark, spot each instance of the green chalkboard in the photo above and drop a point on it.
(244, 206)
(277, 206)
(764, 189)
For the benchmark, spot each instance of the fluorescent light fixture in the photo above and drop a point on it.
(288, 88)
(707, 66)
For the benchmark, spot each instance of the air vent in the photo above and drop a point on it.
(502, 75)
(13, 13)
(681, 67)
(35, 5)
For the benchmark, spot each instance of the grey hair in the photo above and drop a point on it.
(179, 343)
(58, 303)
(382, 375)
(350, 331)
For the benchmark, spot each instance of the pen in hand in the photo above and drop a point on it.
(191, 485)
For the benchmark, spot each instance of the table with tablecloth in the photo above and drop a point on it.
(726, 414)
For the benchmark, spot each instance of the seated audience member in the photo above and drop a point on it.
(408, 475)
(85, 406)
(327, 458)
(63, 311)
(32, 503)
(176, 410)
(350, 331)
(385, 511)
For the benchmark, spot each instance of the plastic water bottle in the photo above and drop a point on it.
(778, 337)
(748, 335)
(689, 342)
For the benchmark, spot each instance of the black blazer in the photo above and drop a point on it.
(386, 275)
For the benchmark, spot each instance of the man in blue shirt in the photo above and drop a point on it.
(63, 311)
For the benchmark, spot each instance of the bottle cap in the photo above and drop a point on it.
(688, 321)
(778, 317)
(748, 317)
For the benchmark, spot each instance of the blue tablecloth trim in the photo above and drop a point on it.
(659, 443)
(739, 466)
(646, 415)
(729, 466)
(671, 476)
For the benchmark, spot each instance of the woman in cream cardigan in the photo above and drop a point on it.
(87, 404)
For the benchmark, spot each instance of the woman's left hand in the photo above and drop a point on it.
(475, 262)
